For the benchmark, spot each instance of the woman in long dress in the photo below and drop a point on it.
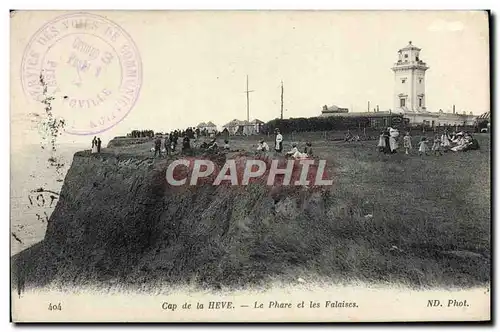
(94, 145)
(393, 134)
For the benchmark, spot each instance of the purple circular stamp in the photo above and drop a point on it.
(90, 65)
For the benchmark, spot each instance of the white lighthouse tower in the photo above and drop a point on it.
(409, 81)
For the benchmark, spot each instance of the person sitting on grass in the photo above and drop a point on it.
(422, 147)
(295, 153)
(348, 136)
(308, 149)
(473, 144)
(262, 147)
(445, 141)
(213, 146)
(460, 143)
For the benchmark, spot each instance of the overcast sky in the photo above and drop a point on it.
(195, 64)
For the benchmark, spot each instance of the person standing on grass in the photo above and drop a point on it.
(166, 144)
(157, 146)
(422, 147)
(436, 146)
(278, 143)
(407, 142)
(387, 148)
(99, 142)
(186, 144)
(393, 143)
(381, 142)
(94, 145)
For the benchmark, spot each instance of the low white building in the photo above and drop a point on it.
(333, 110)
(243, 127)
(437, 119)
(209, 126)
(257, 125)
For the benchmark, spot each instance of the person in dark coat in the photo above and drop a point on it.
(99, 142)
(387, 148)
(186, 145)
(158, 146)
(166, 144)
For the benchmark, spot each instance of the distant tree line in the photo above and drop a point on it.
(322, 123)
(141, 133)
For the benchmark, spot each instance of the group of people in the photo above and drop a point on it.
(278, 147)
(388, 142)
(441, 143)
(96, 145)
(167, 144)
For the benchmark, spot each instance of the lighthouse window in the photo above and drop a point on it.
(420, 102)
(419, 80)
(402, 102)
(403, 80)
(406, 56)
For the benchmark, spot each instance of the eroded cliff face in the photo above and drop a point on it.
(118, 222)
(118, 219)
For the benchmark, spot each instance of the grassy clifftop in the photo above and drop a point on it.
(418, 221)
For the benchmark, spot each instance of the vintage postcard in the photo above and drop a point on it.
(250, 166)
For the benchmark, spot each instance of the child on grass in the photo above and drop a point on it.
(381, 142)
(407, 142)
(436, 147)
(422, 146)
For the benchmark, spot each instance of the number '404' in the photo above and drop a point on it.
(55, 306)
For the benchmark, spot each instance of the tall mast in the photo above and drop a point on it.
(248, 100)
(281, 100)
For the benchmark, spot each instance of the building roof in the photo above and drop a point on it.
(232, 123)
(484, 116)
(333, 109)
(207, 124)
(257, 121)
(407, 110)
(410, 46)
(236, 122)
(368, 114)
